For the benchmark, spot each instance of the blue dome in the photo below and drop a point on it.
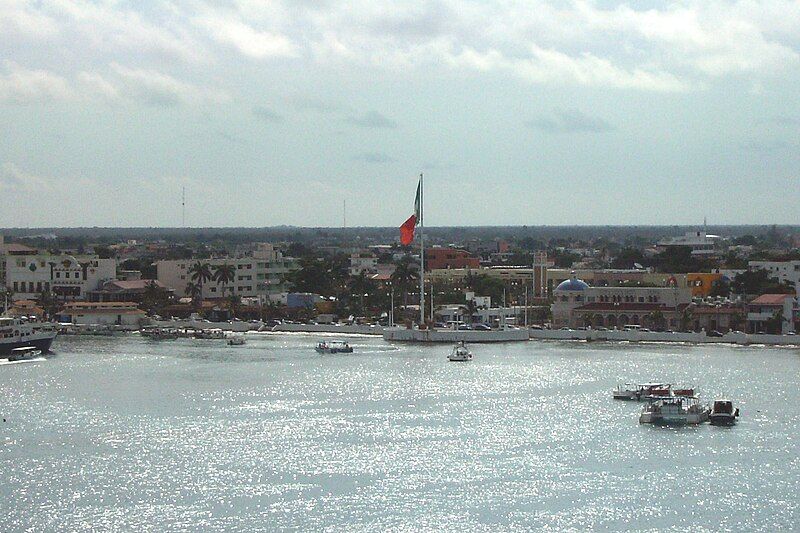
(573, 284)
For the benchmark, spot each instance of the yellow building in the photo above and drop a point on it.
(701, 283)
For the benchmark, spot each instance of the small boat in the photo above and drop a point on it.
(674, 410)
(236, 341)
(24, 353)
(209, 334)
(460, 352)
(641, 391)
(723, 413)
(333, 347)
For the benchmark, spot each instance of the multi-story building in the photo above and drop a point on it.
(257, 275)
(576, 304)
(361, 262)
(66, 276)
(701, 243)
(784, 271)
(533, 277)
(772, 313)
(443, 258)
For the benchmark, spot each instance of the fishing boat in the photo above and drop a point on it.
(24, 353)
(723, 413)
(236, 341)
(674, 410)
(333, 347)
(460, 353)
(640, 391)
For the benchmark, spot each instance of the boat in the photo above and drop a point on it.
(236, 341)
(723, 413)
(674, 410)
(334, 347)
(24, 353)
(21, 333)
(209, 334)
(641, 391)
(159, 334)
(460, 352)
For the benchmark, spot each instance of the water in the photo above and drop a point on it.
(130, 434)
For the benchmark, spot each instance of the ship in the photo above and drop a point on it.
(21, 333)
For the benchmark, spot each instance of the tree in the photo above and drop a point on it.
(720, 287)
(759, 282)
(194, 291)
(234, 304)
(154, 297)
(404, 276)
(471, 308)
(656, 319)
(627, 258)
(361, 286)
(200, 273)
(224, 274)
(686, 319)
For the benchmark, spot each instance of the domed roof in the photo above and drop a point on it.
(572, 284)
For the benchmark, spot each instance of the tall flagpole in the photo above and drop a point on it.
(421, 253)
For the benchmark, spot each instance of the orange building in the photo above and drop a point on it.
(443, 258)
(701, 283)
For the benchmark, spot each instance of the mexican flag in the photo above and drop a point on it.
(407, 229)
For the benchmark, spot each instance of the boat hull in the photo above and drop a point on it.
(42, 343)
(721, 419)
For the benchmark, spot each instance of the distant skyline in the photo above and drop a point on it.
(519, 112)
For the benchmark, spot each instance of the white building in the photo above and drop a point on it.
(66, 276)
(102, 313)
(257, 275)
(701, 243)
(785, 271)
(366, 263)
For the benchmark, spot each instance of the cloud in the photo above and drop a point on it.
(569, 121)
(257, 44)
(266, 114)
(372, 119)
(374, 157)
(26, 86)
(156, 88)
(14, 180)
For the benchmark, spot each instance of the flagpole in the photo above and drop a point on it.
(421, 253)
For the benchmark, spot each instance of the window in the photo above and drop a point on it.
(213, 289)
(641, 299)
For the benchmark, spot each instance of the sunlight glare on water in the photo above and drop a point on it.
(125, 433)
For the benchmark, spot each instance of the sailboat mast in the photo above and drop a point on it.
(421, 252)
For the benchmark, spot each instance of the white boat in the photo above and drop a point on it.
(674, 410)
(640, 391)
(159, 334)
(460, 352)
(333, 347)
(236, 341)
(24, 353)
(723, 413)
(212, 334)
(19, 333)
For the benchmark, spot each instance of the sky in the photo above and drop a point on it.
(516, 111)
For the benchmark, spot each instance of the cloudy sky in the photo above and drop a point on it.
(518, 111)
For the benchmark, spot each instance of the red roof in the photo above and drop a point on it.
(771, 299)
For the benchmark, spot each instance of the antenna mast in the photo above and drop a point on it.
(183, 206)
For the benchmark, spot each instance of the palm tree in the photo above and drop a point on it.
(194, 291)
(361, 286)
(200, 273)
(471, 308)
(224, 274)
(154, 297)
(403, 276)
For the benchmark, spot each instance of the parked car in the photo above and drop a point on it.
(714, 333)
(465, 327)
(482, 327)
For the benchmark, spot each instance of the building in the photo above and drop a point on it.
(102, 313)
(511, 276)
(68, 277)
(445, 258)
(257, 275)
(772, 313)
(127, 291)
(701, 243)
(577, 304)
(783, 271)
(366, 263)
(724, 317)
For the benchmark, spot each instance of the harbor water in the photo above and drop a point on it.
(125, 433)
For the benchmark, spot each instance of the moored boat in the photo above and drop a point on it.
(460, 353)
(674, 410)
(723, 413)
(236, 341)
(640, 391)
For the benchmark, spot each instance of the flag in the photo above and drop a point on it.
(407, 229)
